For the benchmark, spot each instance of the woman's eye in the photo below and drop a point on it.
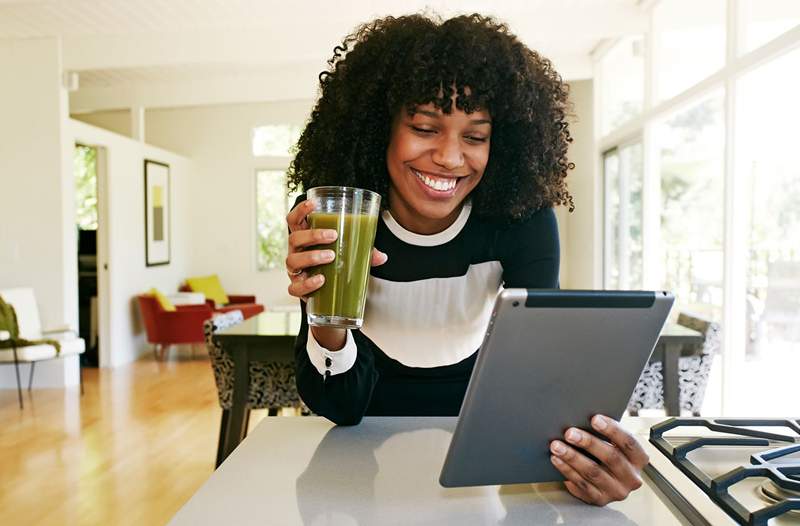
(475, 139)
(425, 131)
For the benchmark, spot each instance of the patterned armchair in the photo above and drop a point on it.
(272, 384)
(694, 369)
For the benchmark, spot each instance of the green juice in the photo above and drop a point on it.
(345, 289)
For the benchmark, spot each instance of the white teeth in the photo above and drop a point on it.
(442, 185)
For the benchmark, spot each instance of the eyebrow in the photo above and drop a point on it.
(436, 115)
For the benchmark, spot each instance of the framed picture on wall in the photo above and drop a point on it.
(157, 213)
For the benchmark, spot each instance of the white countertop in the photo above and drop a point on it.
(305, 470)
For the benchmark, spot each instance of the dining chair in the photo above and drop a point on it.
(272, 384)
(694, 367)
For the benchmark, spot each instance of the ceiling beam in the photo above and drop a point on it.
(298, 81)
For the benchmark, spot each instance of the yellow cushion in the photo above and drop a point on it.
(162, 300)
(211, 287)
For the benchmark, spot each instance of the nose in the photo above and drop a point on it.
(448, 154)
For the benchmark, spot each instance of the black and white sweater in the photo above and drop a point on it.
(426, 313)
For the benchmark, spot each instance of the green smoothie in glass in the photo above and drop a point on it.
(353, 213)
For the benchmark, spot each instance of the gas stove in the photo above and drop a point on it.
(748, 468)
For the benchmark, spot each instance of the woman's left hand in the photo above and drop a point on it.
(621, 458)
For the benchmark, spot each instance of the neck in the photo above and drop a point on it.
(425, 226)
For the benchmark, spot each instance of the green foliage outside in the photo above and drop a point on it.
(85, 168)
(272, 205)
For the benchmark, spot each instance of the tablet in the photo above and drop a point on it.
(550, 360)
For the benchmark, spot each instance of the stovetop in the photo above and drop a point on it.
(750, 468)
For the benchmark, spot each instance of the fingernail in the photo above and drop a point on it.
(383, 257)
(558, 448)
(330, 235)
(325, 255)
(555, 460)
(318, 279)
(573, 435)
(599, 422)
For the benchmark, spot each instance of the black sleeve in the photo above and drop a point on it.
(529, 252)
(342, 398)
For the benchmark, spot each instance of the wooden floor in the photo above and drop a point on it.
(131, 450)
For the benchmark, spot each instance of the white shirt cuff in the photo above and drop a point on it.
(337, 362)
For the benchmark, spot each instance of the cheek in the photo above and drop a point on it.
(407, 148)
(480, 160)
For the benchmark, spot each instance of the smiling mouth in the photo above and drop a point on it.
(439, 184)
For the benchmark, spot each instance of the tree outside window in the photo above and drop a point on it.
(84, 162)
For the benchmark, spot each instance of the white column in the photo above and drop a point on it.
(137, 123)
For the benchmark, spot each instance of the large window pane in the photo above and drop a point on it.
(623, 231)
(691, 149)
(768, 167)
(689, 43)
(272, 205)
(622, 71)
(767, 19)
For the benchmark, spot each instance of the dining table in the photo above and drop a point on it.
(266, 337)
(675, 341)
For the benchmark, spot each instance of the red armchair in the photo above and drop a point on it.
(243, 302)
(167, 328)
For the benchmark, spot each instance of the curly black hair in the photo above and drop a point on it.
(391, 64)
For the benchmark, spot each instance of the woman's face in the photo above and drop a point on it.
(434, 161)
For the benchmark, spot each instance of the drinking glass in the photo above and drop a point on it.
(353, 213)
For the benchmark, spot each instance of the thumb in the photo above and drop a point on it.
(378, 257)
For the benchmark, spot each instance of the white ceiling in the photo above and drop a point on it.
(119, 47)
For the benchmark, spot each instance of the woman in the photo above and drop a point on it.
(462, 130)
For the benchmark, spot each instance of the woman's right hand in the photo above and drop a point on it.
(300, 259)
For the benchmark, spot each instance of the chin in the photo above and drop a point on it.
(434, 210)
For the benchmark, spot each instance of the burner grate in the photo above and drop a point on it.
(766, 464)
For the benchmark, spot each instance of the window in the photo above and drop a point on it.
(84, 165)
(275, 140)
(768, 166)
(272, 205)
(689, 43)
(622, 96)
(767, 19)
(690, 163)
(704, 217)
(623, 197)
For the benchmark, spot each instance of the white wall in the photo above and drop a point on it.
(37, 225)
(218, 140)
(129, 275)
(578, 228)
(117, 121)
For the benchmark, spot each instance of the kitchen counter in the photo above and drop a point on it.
(305, 470)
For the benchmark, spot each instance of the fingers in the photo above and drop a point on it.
(624, 441)
(302, 285)
(594, 481)
(577, 485)
(299, 261)
(612, 459)
(300, 239)
(296, 219)
(378, 257)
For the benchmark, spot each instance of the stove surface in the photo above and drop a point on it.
(750, 468)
